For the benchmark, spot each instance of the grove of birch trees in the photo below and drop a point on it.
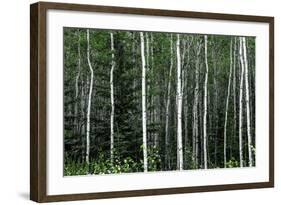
(150, 101)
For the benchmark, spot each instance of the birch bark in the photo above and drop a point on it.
(247, 102)
(89, 100)
(144, 104)
(205, 105)
(179, 107)
(240, 102)
(112, 99)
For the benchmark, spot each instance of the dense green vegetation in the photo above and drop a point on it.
(211, 78)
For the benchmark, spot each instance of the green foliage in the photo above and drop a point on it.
(101, 166)
(232, 163)
(153, 159)
(72, 168)
(104, 165)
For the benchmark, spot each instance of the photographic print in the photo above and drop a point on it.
(138, 101)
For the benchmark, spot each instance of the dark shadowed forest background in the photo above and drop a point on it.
(149, 101)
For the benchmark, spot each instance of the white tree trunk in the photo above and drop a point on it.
(205, 105)
(144, 130)
(168, 104)
(89, 100)
(247, 103)
(240, 102)
(226, 106)
(179, 107)
(112, 99)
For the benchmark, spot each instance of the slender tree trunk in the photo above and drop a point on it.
(179, 107)
(112, 99)
(89, 100)
(144, 104)
(205, 105)
(167, 148)
(240, 103)
(226, 106)
(247, 103)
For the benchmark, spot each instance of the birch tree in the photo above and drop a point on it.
(112, 98)
(205, 105)
(179, 107)
(89, 100)
(245, 63)
(144, 104)
(226, 106)
(240, 102)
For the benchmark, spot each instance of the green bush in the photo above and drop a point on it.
(153, 159)
(104, 165)
(75, 168)
(232, 163)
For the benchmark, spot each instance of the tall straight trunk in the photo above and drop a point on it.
(195, 109)
(167, 148)
(76, 84)
(240, 102)
(205, 104)
(144, 130)
(112, 99)
(179, 108)
(89, 100)
(226, 106)
(247, 102)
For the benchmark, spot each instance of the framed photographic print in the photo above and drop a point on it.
(133, 102)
